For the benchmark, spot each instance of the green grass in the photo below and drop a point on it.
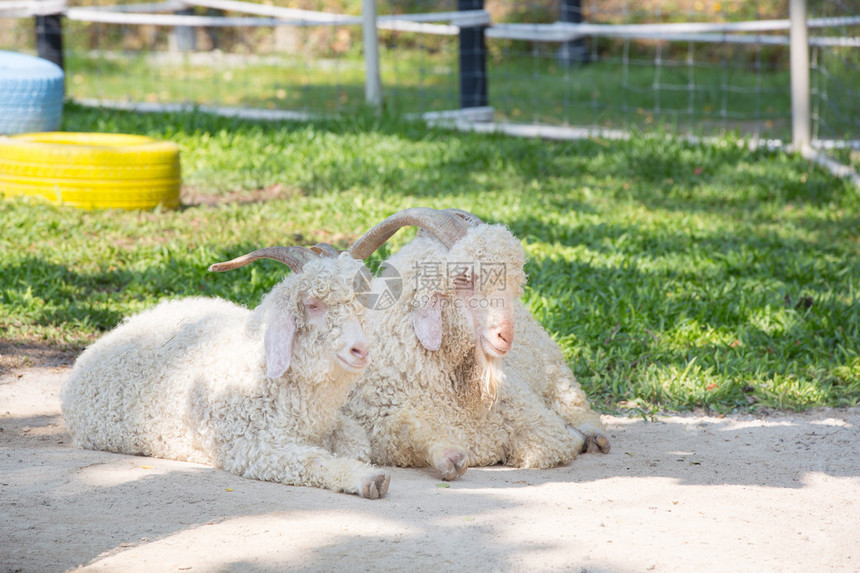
(673, 275)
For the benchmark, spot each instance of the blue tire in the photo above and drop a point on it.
(31, 94)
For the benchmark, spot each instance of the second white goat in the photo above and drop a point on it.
(441, 395)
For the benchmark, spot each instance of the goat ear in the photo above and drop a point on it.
(278, 340)
(427, 323)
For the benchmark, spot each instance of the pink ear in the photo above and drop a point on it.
(427, 322)
(279, 342)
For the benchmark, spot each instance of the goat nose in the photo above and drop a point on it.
(505, 332)
(359, 351)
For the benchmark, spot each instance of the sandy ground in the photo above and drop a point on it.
(683, 493)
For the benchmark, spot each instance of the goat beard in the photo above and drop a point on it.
(489, 376)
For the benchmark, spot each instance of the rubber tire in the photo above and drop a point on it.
(31, 94)
(91, 170)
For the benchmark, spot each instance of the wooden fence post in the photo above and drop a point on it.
(800, 115)
(372, 77)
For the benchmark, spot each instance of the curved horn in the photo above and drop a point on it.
(293, 257)
(325, 250)
(470, 218)
(448, 228)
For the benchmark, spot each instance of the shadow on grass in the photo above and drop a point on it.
(699, 318)
(57, 295)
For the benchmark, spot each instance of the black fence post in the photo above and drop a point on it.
(574, 51)
(49, 38)
(473, 60)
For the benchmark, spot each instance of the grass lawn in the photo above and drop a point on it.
(673, 275)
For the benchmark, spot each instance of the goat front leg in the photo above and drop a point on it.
(294, 463)
(537, 436)
(348, 439)
(571, 404)
(407, 438)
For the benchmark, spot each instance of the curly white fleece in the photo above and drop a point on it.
(187, 380)
(422, 407)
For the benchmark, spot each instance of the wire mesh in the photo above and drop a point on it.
(299, 68)
(419, 69)
(649, 78)
(835, 78)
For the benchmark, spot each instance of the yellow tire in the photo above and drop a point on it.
(91, 170)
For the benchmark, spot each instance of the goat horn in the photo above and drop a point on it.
(448, 228)
(293, 257)
(470, 218)
(325, 250)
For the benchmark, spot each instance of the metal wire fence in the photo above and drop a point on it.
(548, 67)
(835, 81)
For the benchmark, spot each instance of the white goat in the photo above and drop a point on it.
(441, 395)
(257, 393)
(537, 359)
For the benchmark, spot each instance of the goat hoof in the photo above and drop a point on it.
(375, 486)
(453, 463)
(597, 444)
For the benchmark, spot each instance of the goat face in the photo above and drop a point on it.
(466, 295)
(315, 321)
(486, 300)
(486, 278)
(340, 328)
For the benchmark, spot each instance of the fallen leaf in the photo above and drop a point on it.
(228, 489)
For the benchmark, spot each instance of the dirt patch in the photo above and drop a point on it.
(681, 493)
(191, 197)
(19, 356)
